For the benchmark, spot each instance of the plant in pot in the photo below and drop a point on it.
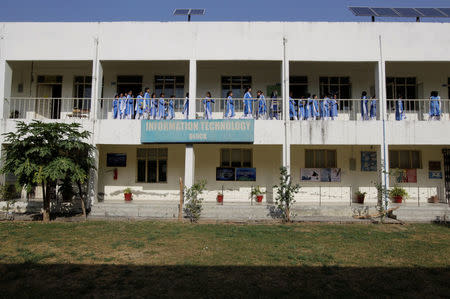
(397, 194)
(127, 194)
(360, 196)
(220, 197)
(257, 194)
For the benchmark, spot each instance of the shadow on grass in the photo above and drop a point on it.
(58, 280)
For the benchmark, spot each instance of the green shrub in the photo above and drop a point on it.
(193, 207)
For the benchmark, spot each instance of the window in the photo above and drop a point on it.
(336, 85)
(170, 85)
(82, 90)
(235, 157)
(401, 86)
(127, 83)
(237, 84)
(298, 85)
(404, 159)
(152, 165)
(320, 159)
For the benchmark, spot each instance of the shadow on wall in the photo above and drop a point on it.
(106, 281)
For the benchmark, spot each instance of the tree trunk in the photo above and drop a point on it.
(46, 204)
(83, 205)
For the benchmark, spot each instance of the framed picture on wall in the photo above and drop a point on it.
(246, 174)
(368, 161)
(116, 160)
(225, 174)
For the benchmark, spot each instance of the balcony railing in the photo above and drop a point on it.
(48, 108)
(423, 110)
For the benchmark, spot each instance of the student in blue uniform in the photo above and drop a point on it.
(140, 106)
(315, 107)
(207, 102)
(307, 106)
(248, 103)
(161, 107)
(171, 108)
(153, 107)
(325, 108)
(147, 102)
(115, 106)
(435, 109)
(364, 106)
(292, 110)
(399, 110)
(186, 106)
(262, 106)
(373, 108)
(274, 105)
(122, 106)
(333, 107)
(229, 105)
(301, 109)
(129, 111)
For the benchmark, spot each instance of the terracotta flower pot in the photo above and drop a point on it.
(128, 196)
(259, 198)
(220, 198)
(398, 199)
(360, 199)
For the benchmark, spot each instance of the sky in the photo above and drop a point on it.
(226, 10)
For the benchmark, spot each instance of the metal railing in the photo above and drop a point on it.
(48, 108)
(418, 109)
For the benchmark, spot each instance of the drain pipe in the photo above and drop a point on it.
(383, 117)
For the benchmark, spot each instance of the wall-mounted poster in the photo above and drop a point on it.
(368, 161)
(246, 174)
(434, 165)
(335, 174)
(330, 174)
(407, 176)
(435, 175)
(225, 174)
(116, 160)
(310, 174)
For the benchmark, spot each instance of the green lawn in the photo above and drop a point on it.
(121, 259)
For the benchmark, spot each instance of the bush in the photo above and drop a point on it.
(9, 192)
(193, 207)
(285, 195)
(398, 191)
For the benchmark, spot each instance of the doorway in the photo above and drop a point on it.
(49, 93)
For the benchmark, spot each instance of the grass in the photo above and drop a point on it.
(115, 259)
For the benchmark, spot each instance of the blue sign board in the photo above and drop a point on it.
(224, 174)
(246, 174)
(437, 175)
(197, 131)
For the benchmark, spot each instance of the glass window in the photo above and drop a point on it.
(320, 159)
(401, 86)
(82, 90)
(127, 83)
(169, 85)
(341, 86)
(236, 157)
(309, 159)
(152, 165)
(404, 159)
(298, 85)
(235, 83)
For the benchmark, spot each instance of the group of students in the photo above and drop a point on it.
(435, 107)
(144, 106)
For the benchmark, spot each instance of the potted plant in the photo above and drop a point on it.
(128, 195)
(220, 197)
(257, 193)
(360, 196)
(397, 194)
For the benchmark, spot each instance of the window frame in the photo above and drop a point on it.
(165, 83)
(83, 101)
(411, 163)
(158, 159)
(242, 160)
(326, 162)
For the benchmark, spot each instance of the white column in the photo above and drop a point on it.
(5, 81)
(192, 87)
(189, 166)
(380, 83)
(97, 76)
(286, 119)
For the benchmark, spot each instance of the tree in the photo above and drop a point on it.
(46, 155)
(285, 194)
(193, 207)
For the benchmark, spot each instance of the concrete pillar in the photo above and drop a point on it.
(189, 166)
(97, 80)
(380, 89)
(286, 119)
(192, 87)
(5, 87)
(93, 181)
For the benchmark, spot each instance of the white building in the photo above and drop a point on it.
(69, 72)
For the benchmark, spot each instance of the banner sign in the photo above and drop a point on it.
(320, 174)
(197, 131)
(435, 175)
(406, 176)
(246, 174)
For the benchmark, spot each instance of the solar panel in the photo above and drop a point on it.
(385, 12)
(361, 11)
(181, 12)
(430, 12)
(408, 12)
(197, 12)
(445, 11)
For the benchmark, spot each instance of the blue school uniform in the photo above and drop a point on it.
(140, 106)
(147, 104)
(153, 108)
(122, 107)
(315, 108)
(161, 108)
(292, 112)
(115, 105)
(373, 108)
(229, 109)
(171, 109)
(301, 109)
(186, 108)
(435, 109)
(399, 111)
(208, 107)
(325, 108)
(129, 110)
(364, 110)
(308, 108)
(248, 103)
(262, 107)
(333, 108)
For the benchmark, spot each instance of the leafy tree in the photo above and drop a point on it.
(193, 207)
(285, 194)
(46, 155)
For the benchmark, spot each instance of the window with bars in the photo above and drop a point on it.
(298, 85)
(237, 84)
(170, 85)
(82, 90)
(129, 82)
(152, 165)
(341, 86)
(405, 87)
(235, 157)
(404, 159)
(320, 158)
